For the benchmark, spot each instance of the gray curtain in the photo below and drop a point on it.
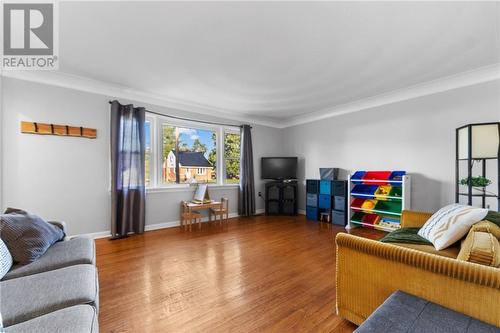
(246, 198)
(127, 170)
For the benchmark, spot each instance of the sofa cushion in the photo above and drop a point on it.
(75, 319)
(27, 236)
(79, 250)
(402, 312)
(450, 224)
(32, 296)
(5, 259)
(481, 248)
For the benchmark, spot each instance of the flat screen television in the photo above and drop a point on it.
(279, 168)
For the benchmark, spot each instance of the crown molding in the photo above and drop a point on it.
(75, 82)
(81, 83)
(460, 80)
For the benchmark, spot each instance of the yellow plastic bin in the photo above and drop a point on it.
(383, 192)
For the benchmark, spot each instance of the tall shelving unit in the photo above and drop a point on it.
(470, 149)
(378, 198)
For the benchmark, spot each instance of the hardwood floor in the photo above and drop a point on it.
(260, 274)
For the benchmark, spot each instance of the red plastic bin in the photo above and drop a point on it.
(371, 177)
(371, 218)
(356, 203)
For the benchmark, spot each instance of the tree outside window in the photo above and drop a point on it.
(232, 157)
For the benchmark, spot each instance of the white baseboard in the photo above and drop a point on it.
(95, 235)
(302, 211)
(156, 226)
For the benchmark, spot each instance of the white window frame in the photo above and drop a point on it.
(157, 123)
(152, 141)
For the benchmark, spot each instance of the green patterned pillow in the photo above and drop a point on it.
(493, 217)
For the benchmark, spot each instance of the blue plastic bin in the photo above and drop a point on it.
(355, 178)
(364, 189)
(339, 203)
(312, 186)
(325, 201)
(312, 213)
(312, 200)
(325, 187)
(397, 175)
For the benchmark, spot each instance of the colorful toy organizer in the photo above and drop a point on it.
(377, 199)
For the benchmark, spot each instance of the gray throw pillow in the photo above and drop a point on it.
(5, 259)
(27, 236)
(11, 210)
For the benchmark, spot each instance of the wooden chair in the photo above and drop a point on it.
(222, 211)
(188, 216)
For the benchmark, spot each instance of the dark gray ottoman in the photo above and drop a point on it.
(403, 312)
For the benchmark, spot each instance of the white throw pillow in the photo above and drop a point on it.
(450, 224)
(5, 259)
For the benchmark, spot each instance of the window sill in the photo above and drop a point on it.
(188, 188)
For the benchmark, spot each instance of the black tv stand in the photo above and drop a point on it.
(281, 197)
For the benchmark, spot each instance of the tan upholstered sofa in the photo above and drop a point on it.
(369, 271)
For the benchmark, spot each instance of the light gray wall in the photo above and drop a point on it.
(66, 178)
(416, 135)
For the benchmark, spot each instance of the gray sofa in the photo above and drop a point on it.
(59, 292)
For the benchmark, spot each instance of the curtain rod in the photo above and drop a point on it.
(187, 119)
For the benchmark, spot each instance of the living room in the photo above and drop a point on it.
(250, 166)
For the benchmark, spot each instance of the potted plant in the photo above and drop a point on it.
(478, 183)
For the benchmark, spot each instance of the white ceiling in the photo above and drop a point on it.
(275, 60)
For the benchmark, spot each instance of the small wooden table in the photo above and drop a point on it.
(200, 206)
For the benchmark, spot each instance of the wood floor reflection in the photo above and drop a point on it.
(260, 274)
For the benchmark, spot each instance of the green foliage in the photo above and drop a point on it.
(212, 155)
(478, 181)
(232, 155)
(184, 147)
(168, 140)
(199, 147)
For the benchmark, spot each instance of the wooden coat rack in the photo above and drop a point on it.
(61, 130)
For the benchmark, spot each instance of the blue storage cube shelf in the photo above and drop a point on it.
(325, 187)
(312, 213)
(324, 201)
(312, 200)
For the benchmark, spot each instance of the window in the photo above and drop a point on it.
(184, 151)
(232, 157)
(181, 152)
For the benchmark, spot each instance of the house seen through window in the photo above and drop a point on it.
(190, 154)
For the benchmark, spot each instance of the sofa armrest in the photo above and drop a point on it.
(368, 272)
(414, 219)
